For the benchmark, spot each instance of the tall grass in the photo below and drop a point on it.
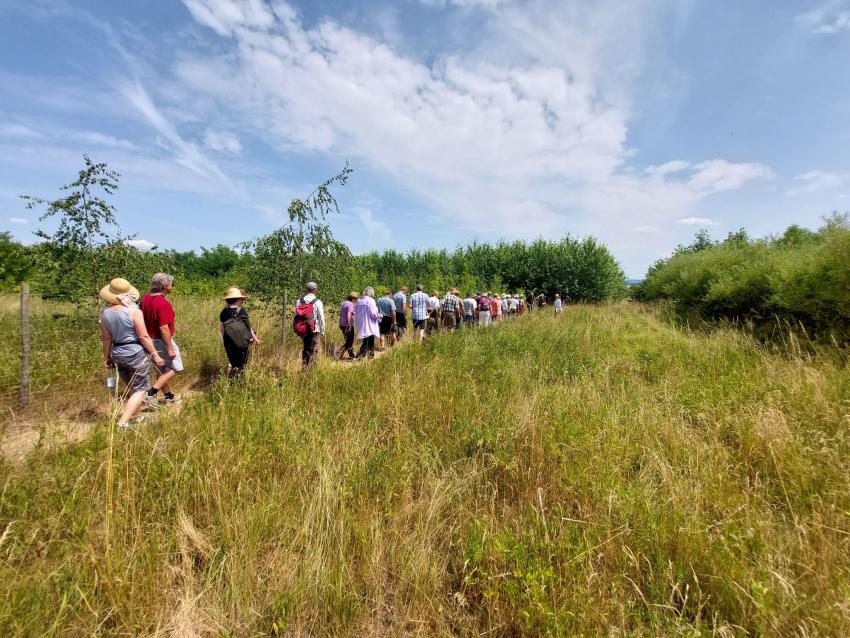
(603, 473)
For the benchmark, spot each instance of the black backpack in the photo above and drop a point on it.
(238, 331)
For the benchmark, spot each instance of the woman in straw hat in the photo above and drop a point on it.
(125, 340)
(236, 332)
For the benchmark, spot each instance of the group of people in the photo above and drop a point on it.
(385, 318)
(136, 332)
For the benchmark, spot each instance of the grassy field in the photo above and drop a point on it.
(605, 473)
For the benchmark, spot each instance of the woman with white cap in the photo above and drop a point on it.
(125, 340)
(237, 335)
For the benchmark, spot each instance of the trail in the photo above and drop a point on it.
(25, 434)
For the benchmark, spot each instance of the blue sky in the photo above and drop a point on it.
(636, 122)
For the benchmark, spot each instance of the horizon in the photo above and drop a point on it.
(464, 120)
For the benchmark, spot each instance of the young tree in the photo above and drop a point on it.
(84, 220)
(303, 249)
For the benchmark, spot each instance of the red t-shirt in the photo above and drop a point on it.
(494, 306)
(157, 312)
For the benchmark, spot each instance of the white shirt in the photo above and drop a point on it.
(433, 303)
(318, 311)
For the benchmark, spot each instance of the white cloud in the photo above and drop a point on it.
(520, 135)
(675, 166)
(651, 230)
(141, 244)
(697, 221)
(375, 228)
(222, 141)
(828, 19)
(817, 180)
(18, 220)
(14, 130)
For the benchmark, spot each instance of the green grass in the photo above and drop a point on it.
(606, 473)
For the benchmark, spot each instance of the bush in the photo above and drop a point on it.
(802, 276)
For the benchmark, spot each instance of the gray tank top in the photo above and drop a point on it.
(125, 342)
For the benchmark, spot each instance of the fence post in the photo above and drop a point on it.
(25, 344)
(283, 317)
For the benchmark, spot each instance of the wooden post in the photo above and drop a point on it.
(283, 316)
(25, 344)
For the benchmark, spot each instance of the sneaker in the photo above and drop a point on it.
(174, 400)
(151, 402)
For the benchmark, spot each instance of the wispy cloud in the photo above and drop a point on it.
(186, 153)
(697, 221)
(18, 220)
(817, 180)
(222, 141)
(375, 228)
(828, 19)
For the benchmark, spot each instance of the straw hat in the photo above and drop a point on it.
(353, 295)
(455, 291)
(235, 292)
(118, 286)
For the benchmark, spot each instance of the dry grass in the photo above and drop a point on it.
(605, 473)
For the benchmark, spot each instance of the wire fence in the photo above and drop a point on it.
(53, 361)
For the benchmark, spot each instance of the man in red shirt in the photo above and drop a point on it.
(159, 321)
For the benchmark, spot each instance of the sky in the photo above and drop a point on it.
(638, 123)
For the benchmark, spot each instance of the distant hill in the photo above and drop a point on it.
(633, 282)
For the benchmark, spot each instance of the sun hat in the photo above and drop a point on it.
(353, 295)
(454, 291)
(112, 292)
(311, 285)
(235, 292)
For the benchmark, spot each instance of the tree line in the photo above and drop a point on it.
(88, 248)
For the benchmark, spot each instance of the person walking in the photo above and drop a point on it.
(505, 306)
(450, 305)
(495, 309)
(237, 335)
(366, 316)
(400, 300)
(558, 304)
(346, 326)
(469, 308)
(484, 310)
(159, 321)
(386, 306)
(419, 305)
(315, 324)
(126, 344)
(434, 312)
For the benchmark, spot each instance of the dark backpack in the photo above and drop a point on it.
(238, 331)
(304, 319)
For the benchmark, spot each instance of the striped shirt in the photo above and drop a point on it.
(419, 305)
(450, 303)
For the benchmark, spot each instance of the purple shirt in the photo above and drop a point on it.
(346, 312)
(366, 317)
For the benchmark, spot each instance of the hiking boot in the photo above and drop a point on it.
(172, 400)
(151, 402)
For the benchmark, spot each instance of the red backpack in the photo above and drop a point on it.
(304, 319)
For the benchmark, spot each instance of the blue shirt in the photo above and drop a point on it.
(386, 306)
(400, 299)
(419, 304)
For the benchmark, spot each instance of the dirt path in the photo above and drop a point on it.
(24, 435)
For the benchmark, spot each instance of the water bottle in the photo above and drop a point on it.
(111, 381)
